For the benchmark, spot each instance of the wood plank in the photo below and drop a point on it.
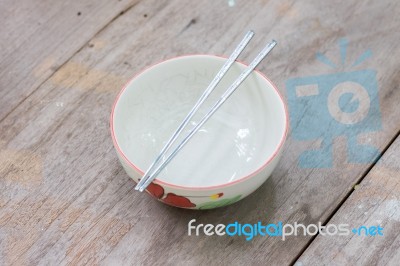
(37, 37)
(375, 202)
(76, 205)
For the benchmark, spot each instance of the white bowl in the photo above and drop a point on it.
(232, 154)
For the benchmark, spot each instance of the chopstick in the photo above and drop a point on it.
(227, 65)
(148, 178)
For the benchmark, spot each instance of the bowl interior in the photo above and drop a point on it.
(240, 138)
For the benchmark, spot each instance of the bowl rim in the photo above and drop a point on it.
(160, 182)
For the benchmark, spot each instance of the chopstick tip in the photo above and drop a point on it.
(250, 34)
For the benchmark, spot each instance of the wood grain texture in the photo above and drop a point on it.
(82, 208)
(374, 202)
(37, 37)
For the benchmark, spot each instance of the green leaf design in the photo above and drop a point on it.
(219, 203)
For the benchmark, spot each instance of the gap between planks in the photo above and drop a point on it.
(344, 199)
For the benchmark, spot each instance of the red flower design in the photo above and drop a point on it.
(155, 190)
(178, 201)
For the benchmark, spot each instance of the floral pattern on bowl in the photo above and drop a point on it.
(219, 203)
(172, 199)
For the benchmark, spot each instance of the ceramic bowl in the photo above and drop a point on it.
(230, 157)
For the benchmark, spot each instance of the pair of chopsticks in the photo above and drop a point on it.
(154, 170)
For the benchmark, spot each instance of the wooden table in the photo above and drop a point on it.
(65, 198)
